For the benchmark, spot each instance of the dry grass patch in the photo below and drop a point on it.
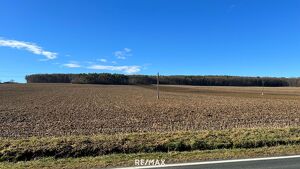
(81, 146)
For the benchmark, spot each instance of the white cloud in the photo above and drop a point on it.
(89, 62)
(31, 47)
(127, 50)
(103, 60)
(126, 69)
(122, 54)
(71, 65)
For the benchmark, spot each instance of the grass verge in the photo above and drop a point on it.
(24, 149)
(105, 147)
(114, 160)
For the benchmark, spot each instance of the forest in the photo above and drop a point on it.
(121, 79)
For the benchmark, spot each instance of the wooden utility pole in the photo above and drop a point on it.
(157, 85)
(263, 86)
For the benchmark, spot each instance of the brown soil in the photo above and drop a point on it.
(68, 109)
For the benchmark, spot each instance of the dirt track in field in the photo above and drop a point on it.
(68, 109)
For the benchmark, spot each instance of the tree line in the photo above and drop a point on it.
(121, 79)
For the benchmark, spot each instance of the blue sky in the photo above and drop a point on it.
(199, 37)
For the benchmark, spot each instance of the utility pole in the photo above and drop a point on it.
(157, 85)
(263, 86)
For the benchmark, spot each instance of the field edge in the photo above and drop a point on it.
(125, 160)
(25, 149)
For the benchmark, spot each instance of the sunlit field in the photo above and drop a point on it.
(69, 109)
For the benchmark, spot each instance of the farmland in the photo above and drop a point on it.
(86, 126)
(74, 109)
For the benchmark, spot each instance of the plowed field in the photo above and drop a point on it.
(68, 109)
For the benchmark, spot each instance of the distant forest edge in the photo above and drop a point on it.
(120, 79)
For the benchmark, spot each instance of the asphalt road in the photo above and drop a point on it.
(282, 162)
(292, 163)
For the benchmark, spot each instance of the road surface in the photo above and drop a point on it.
(282, 162)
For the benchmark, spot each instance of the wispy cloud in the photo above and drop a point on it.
(72, 65)
(102, 60)
(89, 62)
(122, 54)
(127, 50)
(126, 69)
(31, 47)
(231, 7)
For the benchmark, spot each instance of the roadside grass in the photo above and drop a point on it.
(117, 160)
(25, 149)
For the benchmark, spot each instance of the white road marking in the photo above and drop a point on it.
(213, 162)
